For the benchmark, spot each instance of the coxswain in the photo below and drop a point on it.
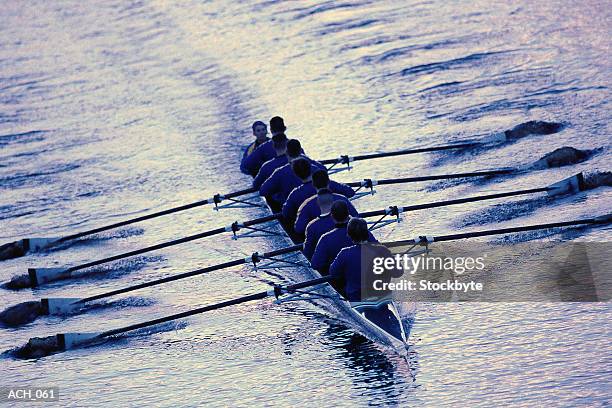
(308, 190)
(353, 270)
(309, 209)
(283, 180)
(279, 141)
(332, 242)
(320, 225)
(260, 131)
(265, 151)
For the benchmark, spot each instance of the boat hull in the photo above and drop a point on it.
(342, 309)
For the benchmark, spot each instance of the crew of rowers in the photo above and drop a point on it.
(315, 208)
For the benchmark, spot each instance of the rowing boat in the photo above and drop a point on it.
(353, 315)
(393, 334)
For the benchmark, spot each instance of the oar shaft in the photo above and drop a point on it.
(147, 249)
(456, 201)
(510, 230)
(201, 235)
(402, 180)
(196, 272)
(201, 271)
(154, 215)
(402, 152)
(243, 299)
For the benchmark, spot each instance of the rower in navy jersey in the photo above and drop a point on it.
(332, 242)
(279, 142)
(260, 131)
(320, 225)
(352, 269)
(283, 180)
(309, 209)
(265, 151)
(308, 189)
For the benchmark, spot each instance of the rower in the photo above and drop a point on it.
(320, 225)
(332, 242)
(265, 151)
(308, 190)
(283, 180)
(352, 269)
(279, 141)
(309, 210)
(260, 131)
(354, 279)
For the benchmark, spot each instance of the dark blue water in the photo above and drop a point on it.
(119, 108)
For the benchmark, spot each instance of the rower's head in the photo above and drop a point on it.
(294, 149)
(260, 130)
(279, 141)
(301, 168)
(320, 179)
(325, 199)
(340, 212)
(277, 125)
(357, 230)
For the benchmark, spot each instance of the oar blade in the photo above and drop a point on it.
(60, 306)
(40, 276)
(569, 185)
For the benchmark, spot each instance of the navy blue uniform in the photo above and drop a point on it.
(314, 231)
(330, 245)
(282, 181)
(309, 210)
(247, 152)
(254, 161)
(268, 168)
(307, 190)
(353, 273)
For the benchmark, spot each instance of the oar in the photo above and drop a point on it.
(39, 276)
(25, 245)
(571, 184)
(27, 312)
(369, 183)
(345, 159)
(38, 346)
(423, 239)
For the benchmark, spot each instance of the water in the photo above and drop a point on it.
(113, 110)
